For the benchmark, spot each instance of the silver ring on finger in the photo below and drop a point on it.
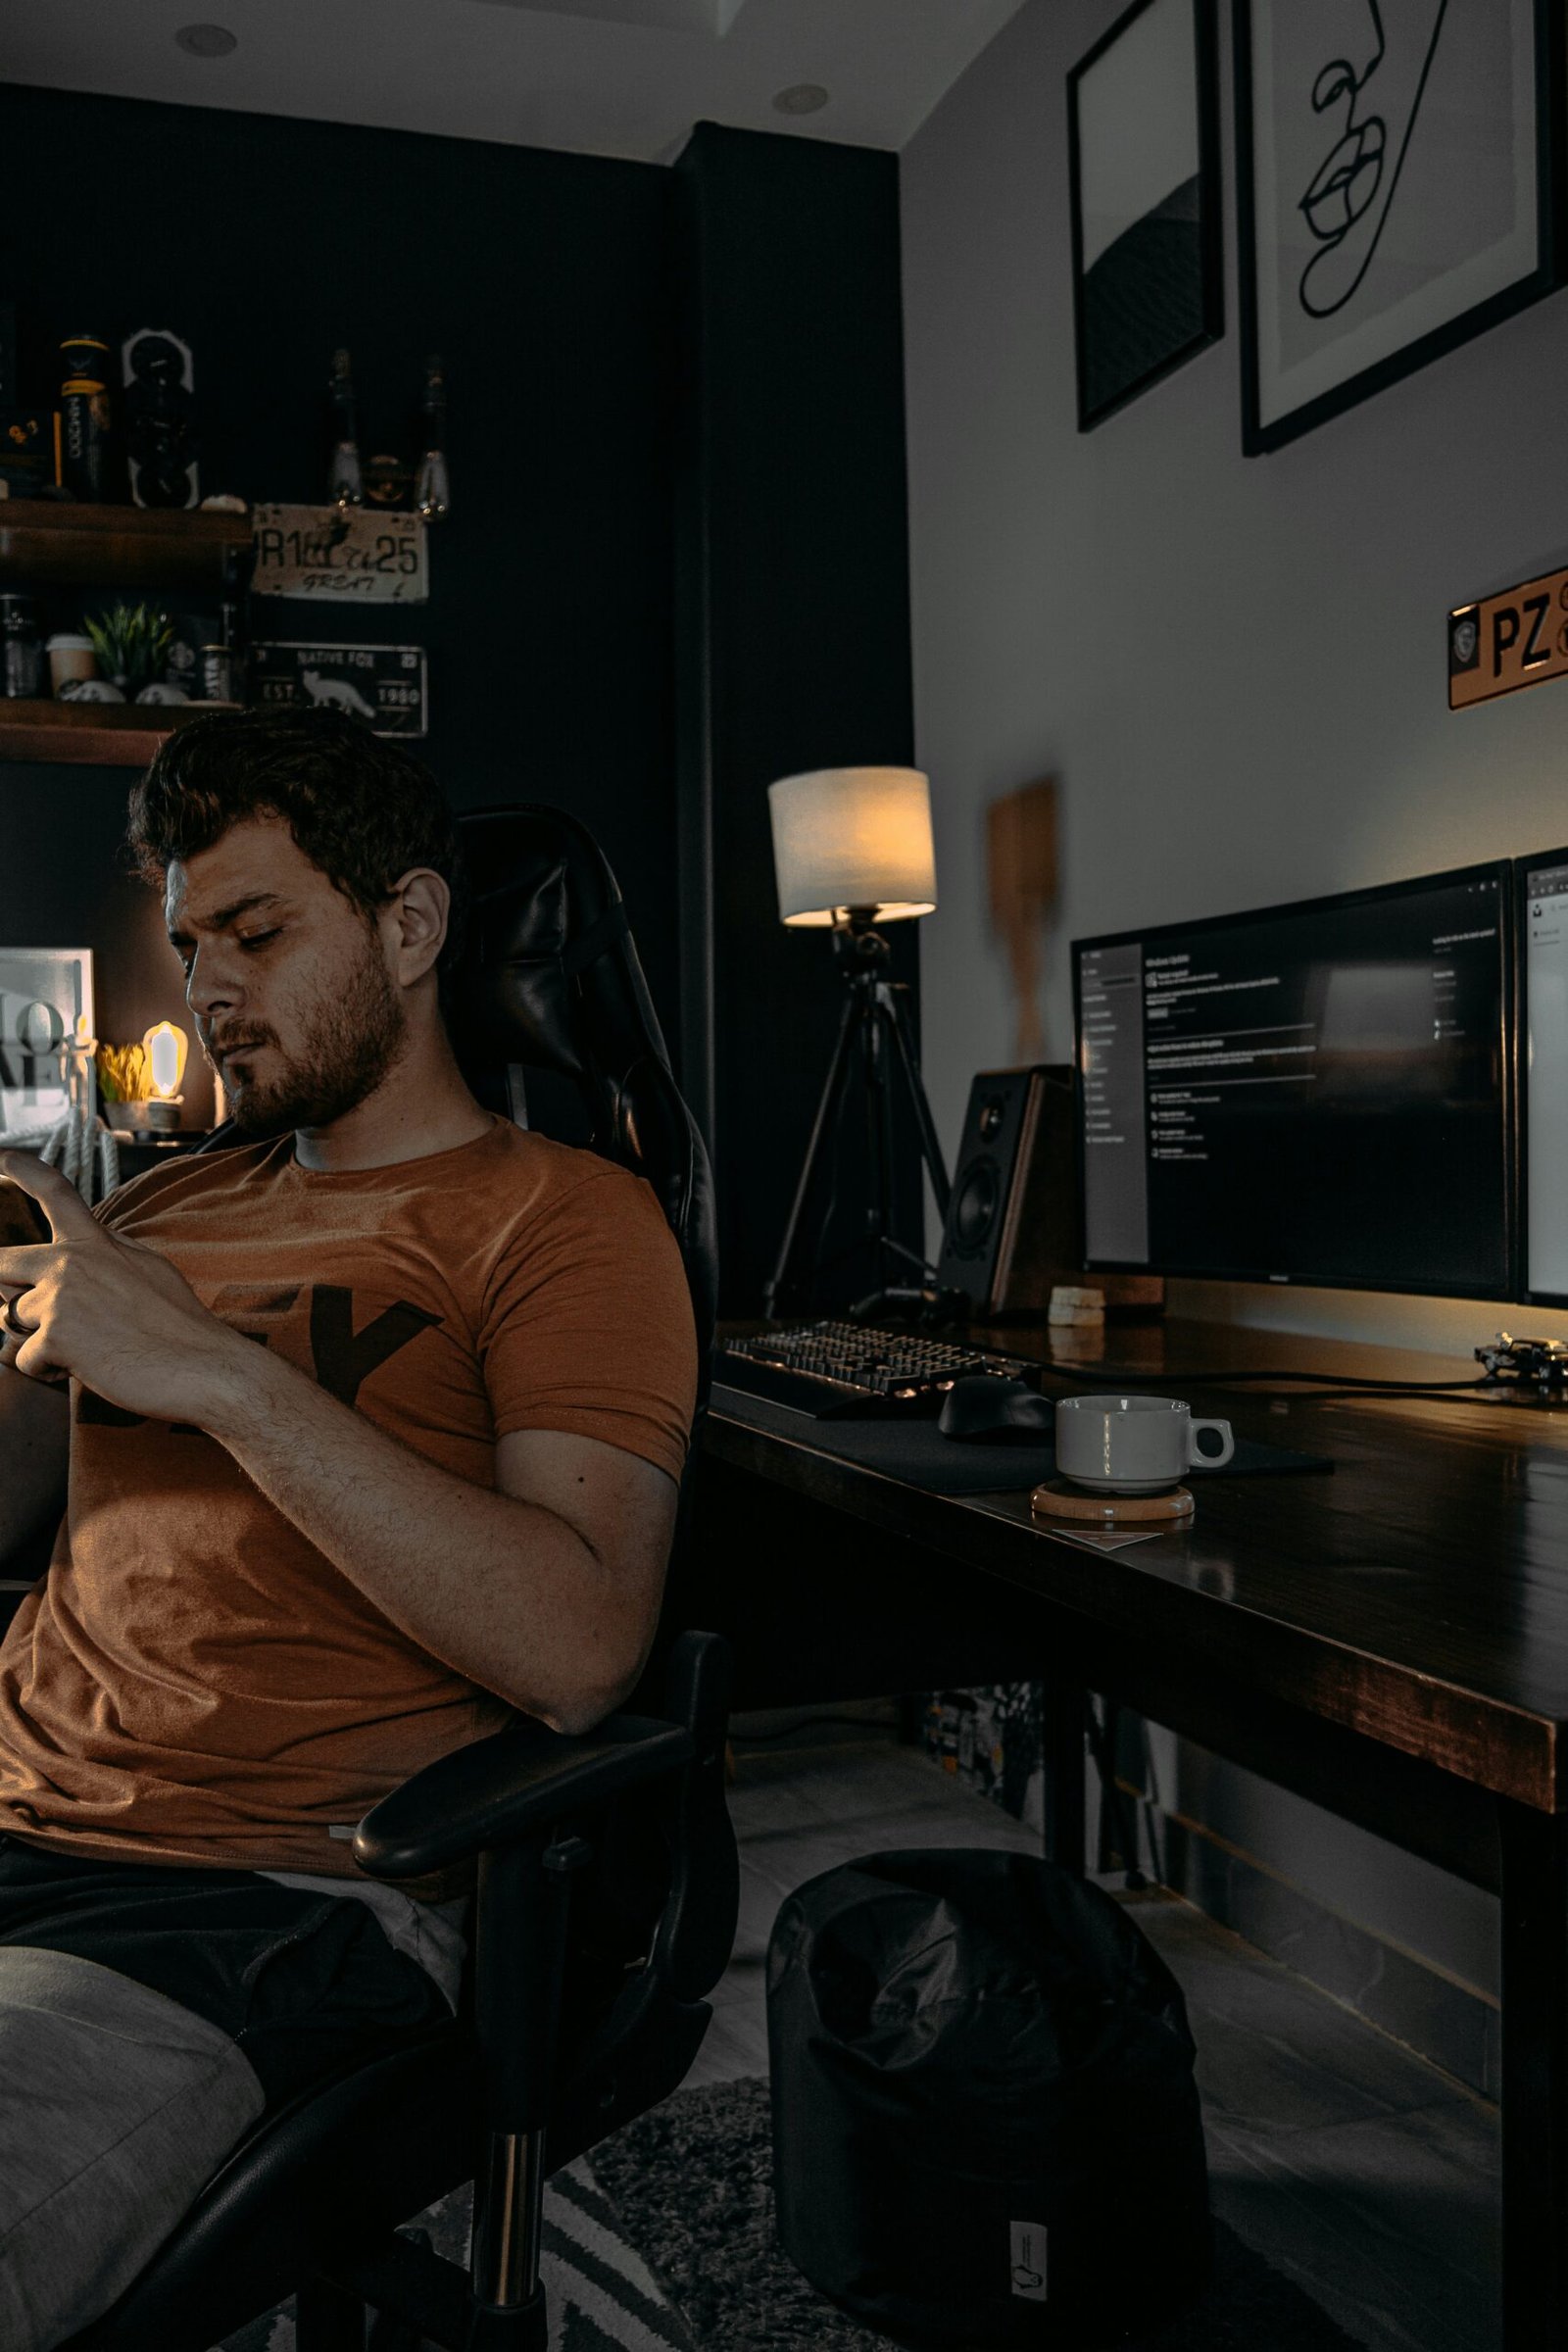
(17, 1331)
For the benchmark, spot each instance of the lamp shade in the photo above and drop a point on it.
(166, 1049)
(853, 837)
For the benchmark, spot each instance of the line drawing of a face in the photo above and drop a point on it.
(1347, 205)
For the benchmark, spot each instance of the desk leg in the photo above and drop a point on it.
(1535, 2079)
(1062, 1744)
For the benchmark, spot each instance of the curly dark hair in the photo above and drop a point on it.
(360, 808)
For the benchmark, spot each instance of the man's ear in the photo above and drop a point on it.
(420, 906)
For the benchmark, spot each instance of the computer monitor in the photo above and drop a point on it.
(1317, 1094)
(1542, 918)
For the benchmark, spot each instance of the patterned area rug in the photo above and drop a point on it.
(692, 2185)
(601, 2295)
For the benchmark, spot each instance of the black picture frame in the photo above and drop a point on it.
(1104, 386)
(1262, 433)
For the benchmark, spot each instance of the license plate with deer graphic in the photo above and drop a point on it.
(384, 685)
(361, 555)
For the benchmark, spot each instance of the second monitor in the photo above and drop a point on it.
(1318, 1093)
(1542, 1021)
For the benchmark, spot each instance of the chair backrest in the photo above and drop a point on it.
(549, 980)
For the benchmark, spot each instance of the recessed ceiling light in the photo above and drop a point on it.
(800, 98)
(205, 40)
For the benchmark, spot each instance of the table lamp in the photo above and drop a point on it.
(165, 1047)
(853, 850)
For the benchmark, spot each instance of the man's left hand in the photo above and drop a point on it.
(107, 1312)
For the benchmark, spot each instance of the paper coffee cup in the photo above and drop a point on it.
(70, 656)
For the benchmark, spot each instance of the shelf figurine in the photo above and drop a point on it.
(160, 418)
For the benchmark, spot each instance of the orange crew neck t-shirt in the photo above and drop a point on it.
(193, 1681)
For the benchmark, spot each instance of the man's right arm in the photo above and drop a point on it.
(34, 1456)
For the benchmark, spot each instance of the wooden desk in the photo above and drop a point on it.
(1389, 1641)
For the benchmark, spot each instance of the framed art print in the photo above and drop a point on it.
(1142, 139)
(44, 991)
(1397, 188)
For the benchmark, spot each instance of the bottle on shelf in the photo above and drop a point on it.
(215, 675)
(345, 478)
(433, 491)
(85, 418)
(21, 648)
(229, 676)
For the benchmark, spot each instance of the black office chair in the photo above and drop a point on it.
(608, 1878)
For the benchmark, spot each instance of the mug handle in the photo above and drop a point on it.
(1210, 1461)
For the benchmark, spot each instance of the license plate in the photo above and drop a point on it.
(352, 554)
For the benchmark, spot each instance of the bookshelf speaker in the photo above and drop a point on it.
(1015, 1224)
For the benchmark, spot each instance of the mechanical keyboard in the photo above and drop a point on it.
(841, 1371)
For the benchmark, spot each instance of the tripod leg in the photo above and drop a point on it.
(879, 1134)
(821, 1128)
(930, 1149)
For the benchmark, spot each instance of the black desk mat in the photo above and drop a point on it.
(917, 1453)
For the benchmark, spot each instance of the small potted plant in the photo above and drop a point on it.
(131, 643)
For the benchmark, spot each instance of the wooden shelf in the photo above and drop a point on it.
(44, 542)
(94, 734)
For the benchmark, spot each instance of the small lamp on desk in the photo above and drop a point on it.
(165, 1047)
(853, 850)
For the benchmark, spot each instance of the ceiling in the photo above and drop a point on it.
(619, 77)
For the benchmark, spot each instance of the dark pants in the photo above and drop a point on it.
(147, 2018)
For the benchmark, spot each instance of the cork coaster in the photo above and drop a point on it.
(1059, 1500)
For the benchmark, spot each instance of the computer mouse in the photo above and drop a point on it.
(982, 1409)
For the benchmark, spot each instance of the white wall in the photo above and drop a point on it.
(1236, 668)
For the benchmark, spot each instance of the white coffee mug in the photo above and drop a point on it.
(1132, 1445)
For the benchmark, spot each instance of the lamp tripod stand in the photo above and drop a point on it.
(874, 1034)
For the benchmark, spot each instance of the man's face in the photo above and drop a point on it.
(294, 1001)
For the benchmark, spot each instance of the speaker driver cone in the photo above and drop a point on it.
(974, 1206)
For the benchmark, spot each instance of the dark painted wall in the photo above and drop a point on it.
(793, 648)
(542, 278)
(678, 548)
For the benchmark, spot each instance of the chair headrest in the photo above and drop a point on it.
(549, 977)
(545, 906)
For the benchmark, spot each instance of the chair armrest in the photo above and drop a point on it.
(517, 1783)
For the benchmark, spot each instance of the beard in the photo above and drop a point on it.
(350, 1043)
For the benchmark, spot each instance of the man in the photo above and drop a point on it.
(368, 1431)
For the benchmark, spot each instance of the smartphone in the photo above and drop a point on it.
(21, 1221)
